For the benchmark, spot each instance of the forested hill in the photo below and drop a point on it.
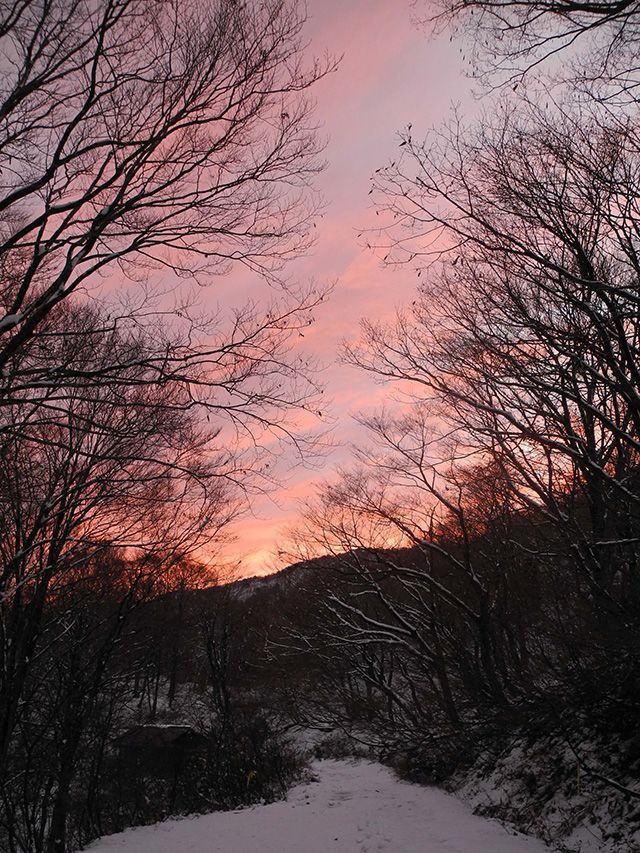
(490, 680)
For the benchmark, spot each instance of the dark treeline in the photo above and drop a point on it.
(125, 650)
(143, 145)
(432, 653)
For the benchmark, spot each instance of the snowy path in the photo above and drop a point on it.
(353, 808)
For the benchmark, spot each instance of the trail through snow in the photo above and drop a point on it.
(354, 807)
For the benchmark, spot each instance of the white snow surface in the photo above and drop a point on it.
(353, 807)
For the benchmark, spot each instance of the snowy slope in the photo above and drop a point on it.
(355, 807)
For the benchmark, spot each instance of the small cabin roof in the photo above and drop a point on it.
(158, 735)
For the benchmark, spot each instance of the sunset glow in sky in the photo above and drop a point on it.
(390, 74)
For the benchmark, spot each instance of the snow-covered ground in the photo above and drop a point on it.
(353, 807)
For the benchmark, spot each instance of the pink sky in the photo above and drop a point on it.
(390, 74)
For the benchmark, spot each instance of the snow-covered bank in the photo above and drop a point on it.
(534, 783)
(354, 807)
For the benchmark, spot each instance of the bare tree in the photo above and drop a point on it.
(141, 136)
(512, 39)
(405, 571)
(125, 464)
(525, 334)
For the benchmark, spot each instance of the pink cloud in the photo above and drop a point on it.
(389, 75)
